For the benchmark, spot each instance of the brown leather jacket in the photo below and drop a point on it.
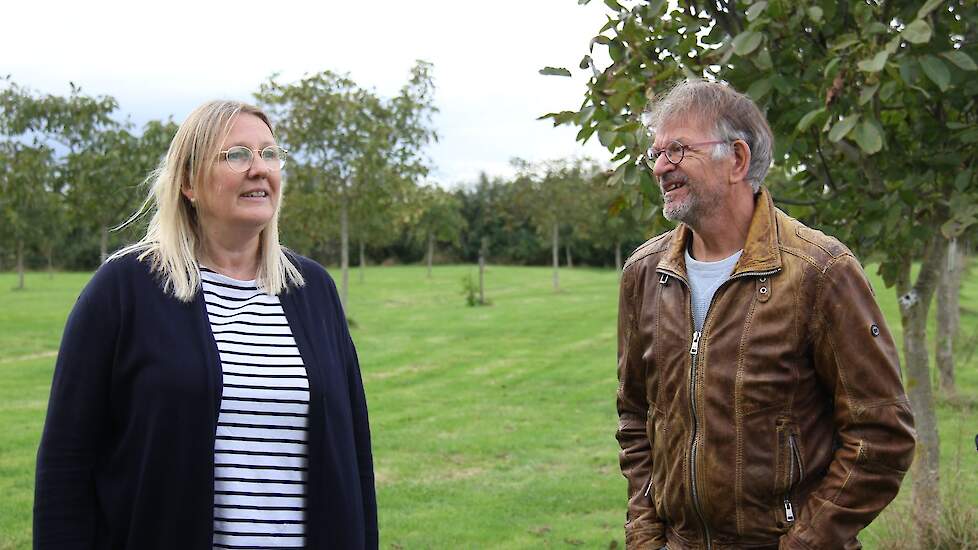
(784, 423)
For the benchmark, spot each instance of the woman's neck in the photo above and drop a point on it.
(233, 256)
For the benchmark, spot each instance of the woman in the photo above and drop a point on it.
(207, 392)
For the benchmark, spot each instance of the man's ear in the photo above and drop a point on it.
(741, 163)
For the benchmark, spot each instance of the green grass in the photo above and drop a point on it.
(493, 426)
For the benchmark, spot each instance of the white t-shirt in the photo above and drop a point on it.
(704, 280)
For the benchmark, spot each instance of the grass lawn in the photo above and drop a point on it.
(493, 426)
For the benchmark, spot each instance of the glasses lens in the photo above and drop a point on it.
(674, 152)
(274, 157)
(239, 158)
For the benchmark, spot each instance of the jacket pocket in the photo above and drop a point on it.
(790, 471)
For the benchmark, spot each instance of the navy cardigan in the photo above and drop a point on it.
(127, 455)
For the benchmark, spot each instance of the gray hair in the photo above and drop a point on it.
(733, 115)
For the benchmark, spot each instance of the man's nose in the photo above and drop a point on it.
(662, 166)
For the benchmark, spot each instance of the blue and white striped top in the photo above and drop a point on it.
(260, 455)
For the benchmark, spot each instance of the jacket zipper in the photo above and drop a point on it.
(795, 458)
(693, 351)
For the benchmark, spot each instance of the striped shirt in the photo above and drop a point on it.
(260, 450)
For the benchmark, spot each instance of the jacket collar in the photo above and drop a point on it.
(761, 253)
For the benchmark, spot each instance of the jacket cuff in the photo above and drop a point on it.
(792, 542)
(644, 536)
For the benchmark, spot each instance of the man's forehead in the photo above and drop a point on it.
(681, 128)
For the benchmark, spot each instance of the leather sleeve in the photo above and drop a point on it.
(857, 361)
(643, 529)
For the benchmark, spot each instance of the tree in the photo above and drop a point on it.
(438, 219)
(33, 128)
(849, 89)
(347, 136)
(26, 184)
(105, 174)
(550, 194)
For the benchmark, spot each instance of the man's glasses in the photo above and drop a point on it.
(240, 158)
(675, 152)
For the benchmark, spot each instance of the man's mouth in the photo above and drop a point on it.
(672, 185)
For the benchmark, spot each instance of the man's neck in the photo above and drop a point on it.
(719, 236)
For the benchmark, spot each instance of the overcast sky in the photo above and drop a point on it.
(161, 59)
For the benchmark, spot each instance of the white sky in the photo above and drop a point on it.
(163, 58)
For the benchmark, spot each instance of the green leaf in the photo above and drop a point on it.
(928, 7)
(815, 13)
(888, 89)
(746, 42)
(844, 41)
(613, 4)
(875, 64)
(631, 174)
(842, 128)
(962, 179)
(937, 71)
(759, 89)
(868, 136)
(893, 45)
(830, 68)
(763, 60)
(809, 119)
(961, 59)
(918, 32)
(755, 10)
(555, 71)
(867, 93)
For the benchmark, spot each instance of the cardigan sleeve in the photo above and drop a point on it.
(361, 424)
(77, 420)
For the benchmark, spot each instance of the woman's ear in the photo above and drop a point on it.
(187, 192)
(741, 164)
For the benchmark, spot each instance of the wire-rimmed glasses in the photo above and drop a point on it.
(240, 158)
(675, 152)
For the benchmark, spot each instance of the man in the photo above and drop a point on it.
(760, 403)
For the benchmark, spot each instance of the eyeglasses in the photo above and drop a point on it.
(675, 152)
(240, 158)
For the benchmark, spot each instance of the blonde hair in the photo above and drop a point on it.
(173, 237)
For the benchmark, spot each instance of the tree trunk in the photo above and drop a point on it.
(570, 259)
(948, 316)
(483, 249)
(925, 472)
(618, 256)
(49, 252)
(20, 264)
(363, 261)
(431, 251)
(556, 256)
(104, 245)
(344, 250)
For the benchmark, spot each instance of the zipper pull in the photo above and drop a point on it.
(695, 348)
(649, 488)
(789, 512)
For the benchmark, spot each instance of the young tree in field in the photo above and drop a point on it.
(551, 195)
(34, 127)
(26, 185)
(437, 219)
(874, 114)
(106, 173)
(346, 136)
(949, 314)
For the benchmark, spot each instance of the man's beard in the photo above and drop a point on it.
(694, 207)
